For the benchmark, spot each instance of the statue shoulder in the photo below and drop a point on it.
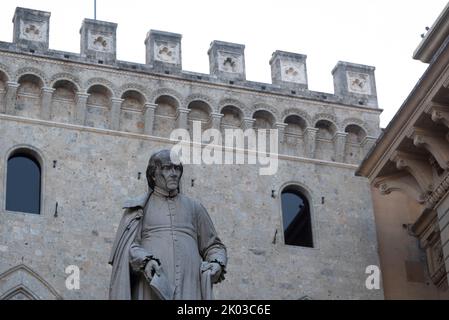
(187, 199)
(135, 202)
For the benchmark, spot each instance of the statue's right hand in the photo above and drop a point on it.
(151, 268)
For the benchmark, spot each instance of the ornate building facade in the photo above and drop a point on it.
(86, 123)
(408, 169)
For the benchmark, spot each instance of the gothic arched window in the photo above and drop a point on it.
(23, 182)
(296, 218)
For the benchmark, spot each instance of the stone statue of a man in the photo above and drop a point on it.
(166, 246)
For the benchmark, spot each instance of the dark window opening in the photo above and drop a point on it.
(23, 184)
(296, 218)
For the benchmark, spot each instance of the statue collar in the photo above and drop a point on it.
(163, 193)
(141, 201)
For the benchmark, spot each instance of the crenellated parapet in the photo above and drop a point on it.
(354, 84)
(163, 51)
(289, 69)
(31, 30)
(98, 41)
(93, 89)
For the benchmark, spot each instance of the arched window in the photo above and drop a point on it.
(296, 218)
(23, 183)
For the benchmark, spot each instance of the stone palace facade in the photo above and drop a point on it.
(88, 123)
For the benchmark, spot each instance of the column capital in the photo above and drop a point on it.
(280, 125)
(368, 139)
(339, 135)
(248, 123)
(47, 90)
(311, 130)
(185, 111)
(82, 96)
(182, 117)
(149, 106)
(216, 115)
(215, 119)
(12, 84)
(117, 100)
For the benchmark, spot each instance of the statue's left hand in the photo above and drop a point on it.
(215, 272)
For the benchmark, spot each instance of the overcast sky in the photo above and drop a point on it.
(381, 33)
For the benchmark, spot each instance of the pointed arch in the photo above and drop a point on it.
(22, 279)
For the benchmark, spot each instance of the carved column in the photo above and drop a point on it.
(79, 116)
(418, 166)
(182, 118)
(10, 97)
(148, 116)
(281, 130)
(248, 123)
(340, 146)
(46, 101)
(280, 127)
(367, 143)
(215, 119)
(310, 141)
(114, 120)
(436, 145)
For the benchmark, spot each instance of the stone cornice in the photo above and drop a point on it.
(434, 38)
(159, 139)
(415, 105)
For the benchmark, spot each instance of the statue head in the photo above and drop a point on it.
(164, 171)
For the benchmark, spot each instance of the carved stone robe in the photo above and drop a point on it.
(174, 229)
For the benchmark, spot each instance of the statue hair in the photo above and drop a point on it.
(156, 161)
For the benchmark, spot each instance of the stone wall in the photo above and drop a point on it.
(94, 123)
(96, 171)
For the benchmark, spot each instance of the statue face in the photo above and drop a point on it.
(167, 175)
